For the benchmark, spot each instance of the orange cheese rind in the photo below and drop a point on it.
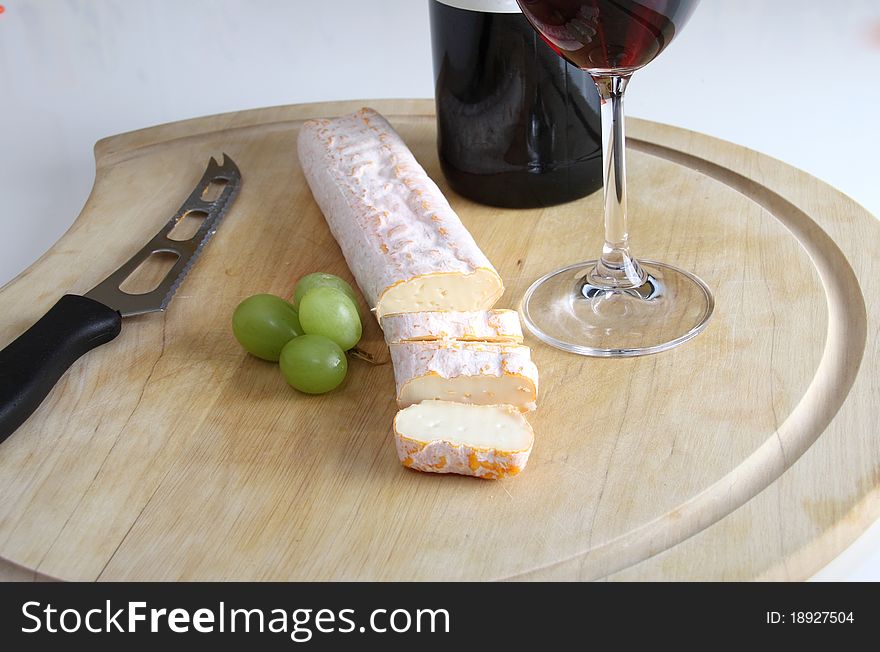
(446, 455)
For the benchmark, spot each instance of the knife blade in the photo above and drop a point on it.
(32, 364)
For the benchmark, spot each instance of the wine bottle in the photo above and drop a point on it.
(517, 126)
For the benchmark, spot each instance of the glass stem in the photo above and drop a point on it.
(616, 268)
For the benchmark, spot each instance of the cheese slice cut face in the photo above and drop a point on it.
(486, 441)
(478, 326)
(406, 247)
(481, 373)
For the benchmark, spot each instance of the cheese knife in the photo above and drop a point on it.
(32, 364)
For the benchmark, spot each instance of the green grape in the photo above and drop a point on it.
(313, 364)
(330, 312)
(263, 324)
(320, 280)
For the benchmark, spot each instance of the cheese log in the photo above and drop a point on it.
(482, 325)
(465, 372)
(404, 244)
(486, 441)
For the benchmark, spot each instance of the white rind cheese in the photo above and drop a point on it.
(466, 372)
(486, 441)
(406, 247)
(482, 326)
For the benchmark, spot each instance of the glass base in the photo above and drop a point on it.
(564, 310)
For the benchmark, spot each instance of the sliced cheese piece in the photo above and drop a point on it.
(465, 372)
(482, 325)
(406, 247)
(486, 441)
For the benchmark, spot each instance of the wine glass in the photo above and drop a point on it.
(615, 306)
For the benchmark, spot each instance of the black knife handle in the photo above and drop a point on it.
(32, 364)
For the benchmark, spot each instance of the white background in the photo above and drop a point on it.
(796, 79)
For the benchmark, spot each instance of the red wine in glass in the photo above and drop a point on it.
(616, 305)
(608, 34)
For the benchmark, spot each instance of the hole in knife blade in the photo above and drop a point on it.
(187, 226)
(149, 274)
(213, 190)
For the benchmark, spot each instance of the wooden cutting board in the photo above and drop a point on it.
(749, 452)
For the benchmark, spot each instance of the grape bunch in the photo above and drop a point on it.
(307, 338)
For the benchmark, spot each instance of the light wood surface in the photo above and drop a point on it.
(749, 452)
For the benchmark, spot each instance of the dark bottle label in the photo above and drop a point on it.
(517, 126)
